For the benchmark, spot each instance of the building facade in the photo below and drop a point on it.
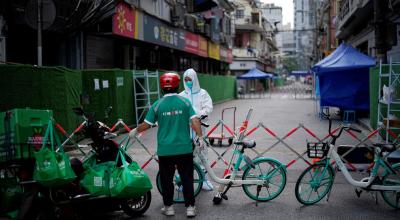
(129, 34)
(254, 44)
(373, 27)
(304, 32)
(273, 14)
(288, 43)
(326, 27)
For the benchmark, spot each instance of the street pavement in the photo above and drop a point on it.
(280, 115)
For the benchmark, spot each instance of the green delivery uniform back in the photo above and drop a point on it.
(173, 114)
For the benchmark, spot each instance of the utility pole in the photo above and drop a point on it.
(39, 32)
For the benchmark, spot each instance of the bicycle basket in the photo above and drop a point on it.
(317, 150)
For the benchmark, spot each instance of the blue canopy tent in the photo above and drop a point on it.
(253, 74)
(344, 79)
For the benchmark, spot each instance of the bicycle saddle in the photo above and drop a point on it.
(246, 143)
(387, 147)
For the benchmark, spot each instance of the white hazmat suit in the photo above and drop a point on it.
(202, 105)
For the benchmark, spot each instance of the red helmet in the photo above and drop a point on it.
(170, 80)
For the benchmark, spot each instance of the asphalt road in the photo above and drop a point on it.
(280, 116)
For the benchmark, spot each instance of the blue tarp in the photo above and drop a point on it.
(300, 73)
(343, 79)
(345, 57)
(255, 74)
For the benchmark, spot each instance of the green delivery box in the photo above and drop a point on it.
(21, 132)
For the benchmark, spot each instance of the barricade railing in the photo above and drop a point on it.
(359, 140)
(119, 123)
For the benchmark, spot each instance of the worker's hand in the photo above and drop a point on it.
(133, 133)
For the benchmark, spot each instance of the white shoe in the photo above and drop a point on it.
(191, 211)
(168, 210)
(207, 185)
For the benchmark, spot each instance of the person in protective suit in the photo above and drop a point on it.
(202, 104)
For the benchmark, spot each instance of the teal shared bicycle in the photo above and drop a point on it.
(317, 180)
(262, 179)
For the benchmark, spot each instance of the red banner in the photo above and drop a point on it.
(230, 56)
(191, 43)
(196, 44)
(226, 55)
(124, 21)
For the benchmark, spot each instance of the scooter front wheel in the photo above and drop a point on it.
(135, 207)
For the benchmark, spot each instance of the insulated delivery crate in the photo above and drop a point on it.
(21, 132)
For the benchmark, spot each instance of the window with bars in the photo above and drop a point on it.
(239, 13)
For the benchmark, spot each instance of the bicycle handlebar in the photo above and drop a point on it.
(335, 137)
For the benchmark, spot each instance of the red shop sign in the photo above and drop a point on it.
(124, 21)
(191, 43)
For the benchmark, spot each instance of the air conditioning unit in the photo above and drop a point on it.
(189, 22)
(199, 28)
(177, 12)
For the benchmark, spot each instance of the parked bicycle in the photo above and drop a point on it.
(254, 176)
(317, 180)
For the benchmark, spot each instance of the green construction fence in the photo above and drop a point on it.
(60, 89)
(221, 88)
(103, 88)
(53, 88)
(373, 90)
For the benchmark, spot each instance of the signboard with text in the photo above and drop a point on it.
(124, 22)
(159, 33)
(203, 47)
(213, 51)
(226, 55)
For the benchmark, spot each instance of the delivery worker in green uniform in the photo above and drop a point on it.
(174, 115)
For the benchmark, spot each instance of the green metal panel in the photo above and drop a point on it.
(54, 88)
(103, 88)
(220, 88)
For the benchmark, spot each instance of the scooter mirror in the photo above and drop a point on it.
(78, 111)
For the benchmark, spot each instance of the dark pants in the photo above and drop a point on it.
(184, 164)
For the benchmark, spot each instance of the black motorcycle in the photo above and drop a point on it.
(72, 201)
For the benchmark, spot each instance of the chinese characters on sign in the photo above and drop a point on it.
(124, 21)
(127, 22)
(158, 32)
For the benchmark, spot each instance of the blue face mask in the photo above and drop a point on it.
(189, 84)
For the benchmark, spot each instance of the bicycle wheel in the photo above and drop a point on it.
(392, 198)
(314, 184)
(272, 173)
(178, 193)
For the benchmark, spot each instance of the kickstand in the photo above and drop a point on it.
(358, 192)
(258, 193)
